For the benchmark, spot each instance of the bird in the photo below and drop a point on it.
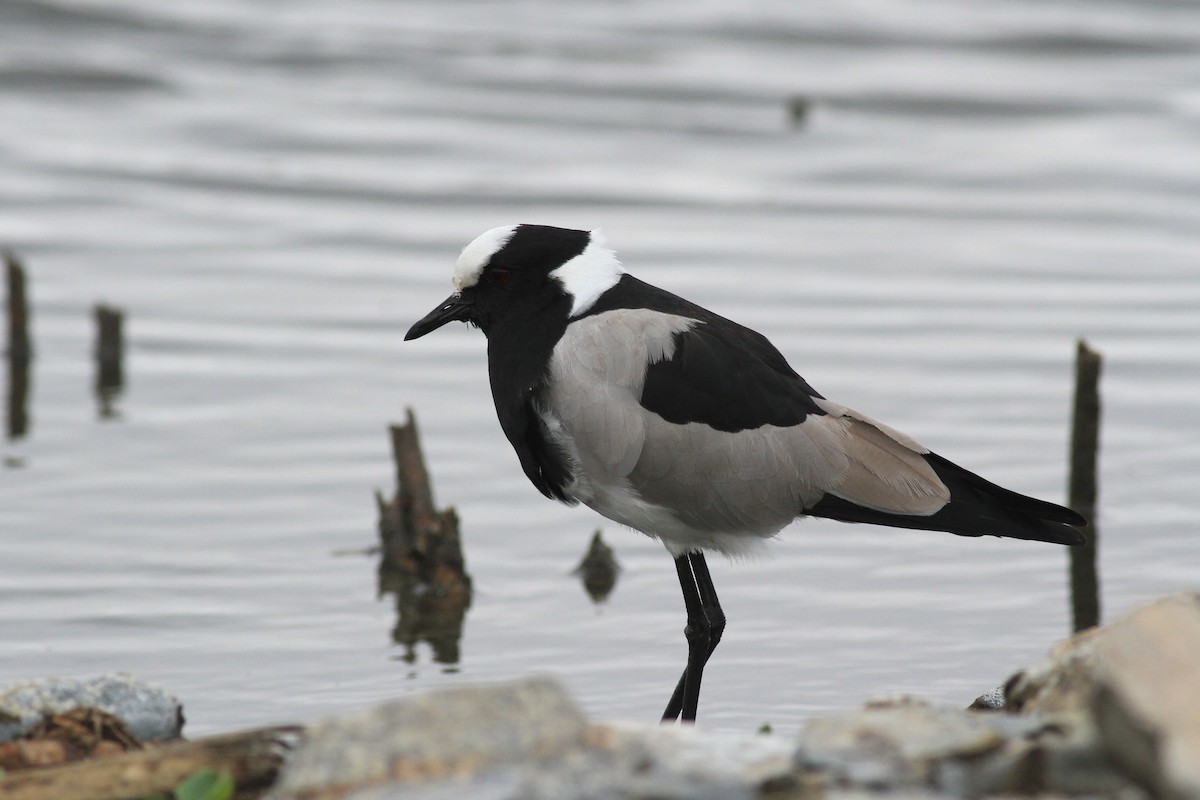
(690, 428)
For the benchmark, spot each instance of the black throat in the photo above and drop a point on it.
(519, 349)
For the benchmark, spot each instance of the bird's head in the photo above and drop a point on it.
(518, 271)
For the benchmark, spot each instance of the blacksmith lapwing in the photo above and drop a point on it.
(688, 427)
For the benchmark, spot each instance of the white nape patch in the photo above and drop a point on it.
(477, 254)
(589, 274)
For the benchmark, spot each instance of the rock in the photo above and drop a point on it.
(449, 734)
(653, 762)
(1138, 679)
(1114, 711)
(1063, 683)
(82, 732)
(894, 745)
(149, 712)
(1147, 699)
(523, 740)
(916, 747)
(1073, 763)
(993, 700)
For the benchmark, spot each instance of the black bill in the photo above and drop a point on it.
(456, 307)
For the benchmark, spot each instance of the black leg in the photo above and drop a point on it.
(706, 623)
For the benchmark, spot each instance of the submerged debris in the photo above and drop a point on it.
(598, 570)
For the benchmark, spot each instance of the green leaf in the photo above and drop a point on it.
(207, 784)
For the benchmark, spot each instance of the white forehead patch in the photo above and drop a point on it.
(589, 274)
(475, 256)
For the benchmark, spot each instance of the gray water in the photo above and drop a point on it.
(273, 191)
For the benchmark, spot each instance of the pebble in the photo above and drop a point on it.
(148, 711)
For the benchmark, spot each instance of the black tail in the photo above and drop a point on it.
(977, 507)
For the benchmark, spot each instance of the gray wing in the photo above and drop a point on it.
(648, 473)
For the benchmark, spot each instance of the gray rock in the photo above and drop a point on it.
(1074, 762)
(637, 763)
(898, 745)
(1138, 680)
(1057, 754)
(449, 734)
(523, 740)
(1147, 699)
(852, 793)
(995, 700)
(915, 747)
(150, 713)
(1065, 682)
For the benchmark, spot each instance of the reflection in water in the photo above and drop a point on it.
(422, 562)
(598, 569)
(110, 347)
(425, 612)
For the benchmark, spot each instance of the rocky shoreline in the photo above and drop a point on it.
(1113, 712)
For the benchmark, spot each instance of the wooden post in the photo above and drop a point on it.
(110, 349)
(1081, 494)
(19, 348)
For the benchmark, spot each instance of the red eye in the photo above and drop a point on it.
(497, 276)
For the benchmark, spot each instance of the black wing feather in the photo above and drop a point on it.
(977, 507)
(721, 374)
(728, 381)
